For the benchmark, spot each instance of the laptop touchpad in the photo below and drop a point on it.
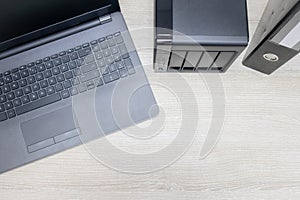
(48, 126)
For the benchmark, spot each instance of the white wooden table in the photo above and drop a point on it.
(257, 157)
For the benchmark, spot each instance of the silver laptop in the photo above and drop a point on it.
(65, 64)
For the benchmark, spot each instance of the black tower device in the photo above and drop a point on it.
(277, 37)
(199, 35)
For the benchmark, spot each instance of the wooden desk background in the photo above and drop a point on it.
(257, 157)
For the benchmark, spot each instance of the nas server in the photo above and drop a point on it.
(199, 35)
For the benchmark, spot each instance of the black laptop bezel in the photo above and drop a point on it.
(112, 7)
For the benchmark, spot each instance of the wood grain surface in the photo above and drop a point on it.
(257, 156)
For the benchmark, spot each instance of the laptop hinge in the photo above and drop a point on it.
(105, 19)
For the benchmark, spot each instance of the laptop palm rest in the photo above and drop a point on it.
(49, 129)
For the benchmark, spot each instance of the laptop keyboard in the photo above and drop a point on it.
(63, 75)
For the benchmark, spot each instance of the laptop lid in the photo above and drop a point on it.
(22, 21)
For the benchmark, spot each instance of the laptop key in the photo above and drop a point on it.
(64, 68)
(77, 48)
(103, 44)
(65, 94)
(101, 63)
(114, 50)
(85, 45)
(8, 79)
(35, 87)
(33, 96)
(46, 59)
(104, 70)
(10, 96)
(15, 70)
(110, 60)
(16, 76)
(120, 65)
(94, 42)
(60, 78)
(24, 73)
(80, 62)
(2, 109)
(8, 105)
(62, 53)
(6, 88)
(73, 91)
(119, 38)
(52, 81)
(19, 92)
(17, 102)
(42, 93)
(123, 51)
(59, 87)
(99, 82)
(30, 64)
(49, 65)
(111, 77)
(89, 59)
(3, 117)
(74, 56)
(82, 88)
(90, 75)
(41, 68)
(128, 62)
(38, 62)
(31, 80)
(72, 65)
(2, 82)
(39, 77)
(11, 114)
(65, 59)
(131, 71)
(15, 86)
(88, 68)
(70, 51)
(54, 56)
(96, 48)
(47, 74)
(50, 90)
(111, 40)
(56, 71)
(67, 84)
(129, 66)
(69, 75)
(84, 52)
(44, 84)
(75, 81)
(3, 99)
(90, 85)
(23, 67)
(22, 83)
(32, 70)
(112, 67)
(57, 62)
(123, 73)
(107, 52)
(98, 55)
(38, 104)
(25, 99)
(76, 72)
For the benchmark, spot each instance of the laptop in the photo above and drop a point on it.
(66, 66)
